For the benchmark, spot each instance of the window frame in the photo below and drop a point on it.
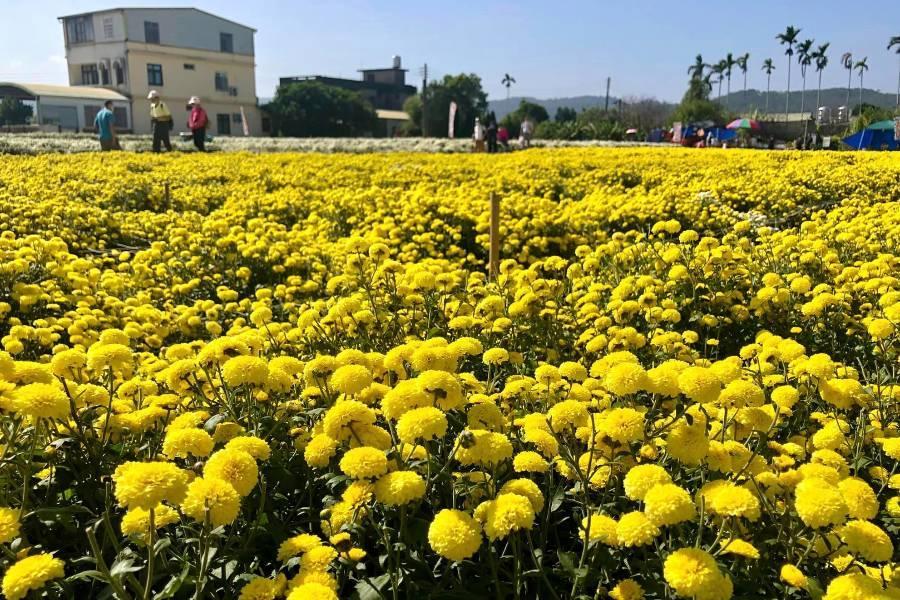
(93, 72)
(220, 119)
(154, 71)
(220, 81)
(225, 35)
(109, 31)
(147, 29)
(80, 30)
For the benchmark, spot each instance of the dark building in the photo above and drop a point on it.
(385, 89)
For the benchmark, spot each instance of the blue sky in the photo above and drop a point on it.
(553, 49)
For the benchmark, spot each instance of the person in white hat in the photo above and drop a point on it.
(197, 121)
(160, 121)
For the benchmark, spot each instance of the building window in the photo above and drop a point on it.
(188, 66)
(120, 73)
(80, 30)
(223, 124)
(89, 75)
(104, 75)
(154, 74)
(151, 32)
(120, 117)
(221, 81)
(236, 118)
(108, 28)
(266, 125)
(226, 42)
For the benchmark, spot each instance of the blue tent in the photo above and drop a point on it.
(722, 134)
(871, 139)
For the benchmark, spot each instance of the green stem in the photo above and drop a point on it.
(151, 547)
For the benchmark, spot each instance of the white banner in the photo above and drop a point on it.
(244, 123)
(897, 129)
(451, 128)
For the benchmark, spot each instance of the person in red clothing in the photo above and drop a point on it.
(197, 121)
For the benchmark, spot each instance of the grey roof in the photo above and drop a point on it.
(123, 8)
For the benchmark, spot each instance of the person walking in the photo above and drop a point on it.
(492, 133)
(478, 135)
(197, 121)
(104, 122)
(503, 137)
(160, 121)
(525, 132)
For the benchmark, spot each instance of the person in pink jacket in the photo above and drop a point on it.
(197, 121)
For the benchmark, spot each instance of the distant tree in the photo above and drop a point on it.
(768, 66)
(895, 42)
(788, 39)
(847, 61)
(535, 112)
(821, 58)
(564, 114)
(861, 67)
(312, 109)
(465, 90)
(14, 112)
(718, 70)
(866, 114)
(742, 63)
(508, 80)
(730, 62)
(805, 55)
(696, 106)
(645, 113)
(697, 69)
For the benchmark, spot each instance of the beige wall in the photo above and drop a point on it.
(179, 84)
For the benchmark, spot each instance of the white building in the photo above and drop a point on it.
(180, 52)
(61, 107)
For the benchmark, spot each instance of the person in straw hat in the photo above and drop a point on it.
(160, 120)
(197, 121)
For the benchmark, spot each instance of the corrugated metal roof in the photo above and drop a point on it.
(66, 91)
(124, 8)
(392, 115)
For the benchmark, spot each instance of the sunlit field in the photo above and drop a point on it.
(266, 376)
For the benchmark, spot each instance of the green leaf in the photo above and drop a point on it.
(815, 588)
(371, 588)
(124, 566)
(174, 584)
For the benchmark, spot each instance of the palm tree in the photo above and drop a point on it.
(696, 69)
(788, 39)
(804, 58)
(847, 61)
(895, 41)
(861, 67)
(768, 66)
(718, 69)
(742, 62)
(729, 65)
(821, 62)
(508, 80)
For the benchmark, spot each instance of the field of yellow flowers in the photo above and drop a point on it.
(289, 376)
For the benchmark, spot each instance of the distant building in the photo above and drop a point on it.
(180, 52)
(67, 108)
(385, 89)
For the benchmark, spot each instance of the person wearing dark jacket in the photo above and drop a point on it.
(492, 133)
(197, 121)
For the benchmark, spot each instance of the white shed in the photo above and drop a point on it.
(68, 108)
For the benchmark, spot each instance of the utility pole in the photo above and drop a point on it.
(424, 101)
(606, 106)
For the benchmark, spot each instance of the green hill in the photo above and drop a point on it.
(753, 100)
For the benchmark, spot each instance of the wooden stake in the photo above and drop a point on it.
(494, 264)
